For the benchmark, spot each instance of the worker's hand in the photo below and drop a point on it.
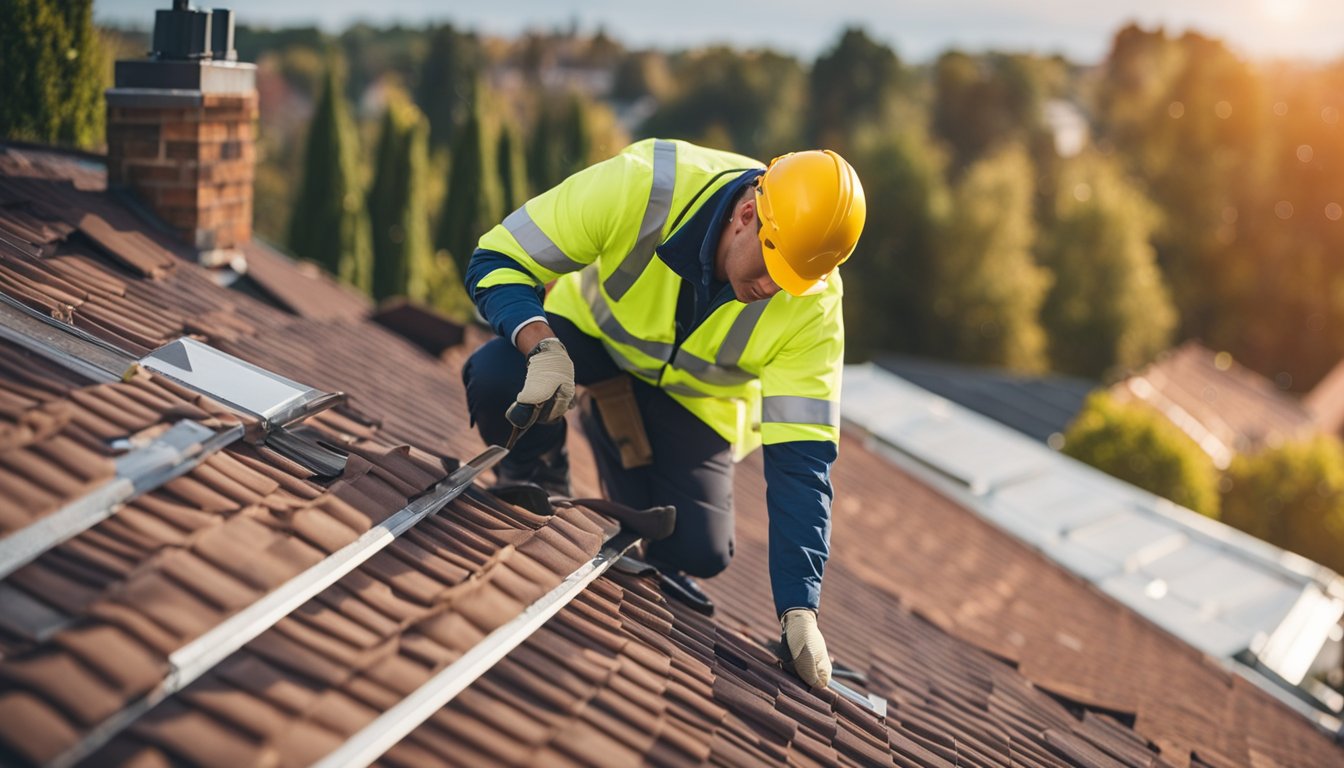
(549, 385)
(806, 646)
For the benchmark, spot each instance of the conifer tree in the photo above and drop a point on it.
(444, 92)
(402, 255)
(512, 169)
(330, 224)
(472, 205)
(52, 63)
(562, 141)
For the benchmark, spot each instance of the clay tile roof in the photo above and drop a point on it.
(1241, 409)
(986, 653)
(1325, 401)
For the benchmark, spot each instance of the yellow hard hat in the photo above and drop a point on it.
(812, 210)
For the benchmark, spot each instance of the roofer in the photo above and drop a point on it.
(668, 262)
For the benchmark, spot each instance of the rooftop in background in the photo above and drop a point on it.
(919, 31)
(1224, 407)
(1264, 613)
(1326, 401)
(1036, 406)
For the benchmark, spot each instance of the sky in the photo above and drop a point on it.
(918, 29)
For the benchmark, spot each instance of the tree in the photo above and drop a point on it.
(53, 69)
(889, 279)
(982, 103)
(447, 81)
(1188, 117)
(853, 85)
(402, 255)
(986, 288)
(745, 102)
(512, 169)
(1293, 497)
(1140, 446)
(561, 140)
(473, 204)
(330, 224)
(1108, 309)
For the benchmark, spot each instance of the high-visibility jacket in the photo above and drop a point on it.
(765, 372)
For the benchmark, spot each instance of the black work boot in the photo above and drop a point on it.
(551, 472)
(676, 584)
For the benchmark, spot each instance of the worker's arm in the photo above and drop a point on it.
(800, 427)
(561, 230)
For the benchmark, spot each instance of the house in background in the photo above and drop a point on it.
(1325, 402)
(1224, 407)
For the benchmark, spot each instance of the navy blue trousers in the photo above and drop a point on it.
(692, 466)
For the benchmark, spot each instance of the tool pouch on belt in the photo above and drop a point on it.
(615, 400)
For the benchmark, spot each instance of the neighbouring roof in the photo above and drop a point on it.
(1265, 614)
(1226, 408)
(987, 653)
(1037, 406)
(1325, 401)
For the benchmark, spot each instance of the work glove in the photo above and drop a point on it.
(549, 386)
(806, 647)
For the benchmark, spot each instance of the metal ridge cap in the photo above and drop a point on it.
(194, 659)
(143, 469)
(395, 723)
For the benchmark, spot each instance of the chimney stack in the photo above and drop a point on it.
(180, 130)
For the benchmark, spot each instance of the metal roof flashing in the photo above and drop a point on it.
(1265, 613)
(274, 401)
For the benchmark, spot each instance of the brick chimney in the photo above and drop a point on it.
(180, 130)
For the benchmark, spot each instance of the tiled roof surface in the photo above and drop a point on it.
(1038, 406)
(619, 676)
(1244, 410)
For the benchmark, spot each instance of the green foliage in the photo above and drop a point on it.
(889, 279)
(447, 81)
(746, 102)
(512, 169)
(1188, 118)
(330, 224)
(1140, 446)
(473, 204)
(982, 103)
(987, 290)
(561, 141)
(402, 255)
(1293, 497)
(1108, 309)
(52, 62)
(853, 85)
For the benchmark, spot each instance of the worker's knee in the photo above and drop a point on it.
(492, 376)
(707, 561)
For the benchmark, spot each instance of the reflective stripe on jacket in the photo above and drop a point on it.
(766, 372)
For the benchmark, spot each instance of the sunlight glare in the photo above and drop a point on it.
(1283, 11)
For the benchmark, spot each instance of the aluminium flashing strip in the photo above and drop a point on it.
(272, 398)
(1033, 501)
(63, 344)
(172, 454)
(869, 701)
(394, 724)
(194, 659)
